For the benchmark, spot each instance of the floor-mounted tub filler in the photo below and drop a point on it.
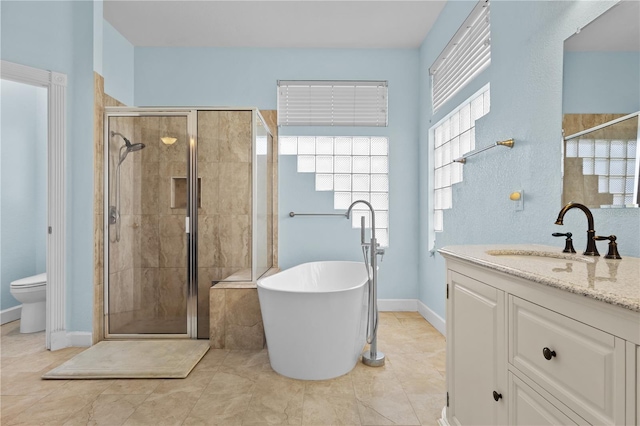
(318, 316)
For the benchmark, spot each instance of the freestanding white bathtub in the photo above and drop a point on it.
(315, 318)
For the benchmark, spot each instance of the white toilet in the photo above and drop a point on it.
(32, 293)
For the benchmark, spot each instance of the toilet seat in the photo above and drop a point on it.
(39, 280)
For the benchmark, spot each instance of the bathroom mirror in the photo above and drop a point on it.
(600, 101)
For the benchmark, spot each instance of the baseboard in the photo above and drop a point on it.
(434, 319)
(408, 305)
(10, 314)
(442, 421)
(82, 339)
(63, 339)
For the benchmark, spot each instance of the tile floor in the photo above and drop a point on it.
(232, 387)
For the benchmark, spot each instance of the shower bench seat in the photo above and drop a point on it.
(235, 319)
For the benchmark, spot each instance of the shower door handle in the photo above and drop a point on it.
(186, 225)
(113, 215)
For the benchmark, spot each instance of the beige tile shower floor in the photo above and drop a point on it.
(232, 387)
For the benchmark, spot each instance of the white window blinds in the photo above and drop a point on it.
(332, 103)
(466, 55)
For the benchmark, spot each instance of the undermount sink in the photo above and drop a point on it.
(537, 255)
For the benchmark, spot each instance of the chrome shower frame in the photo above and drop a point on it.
(191, 218)
(190, 222)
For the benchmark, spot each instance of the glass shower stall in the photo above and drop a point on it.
(188, 202)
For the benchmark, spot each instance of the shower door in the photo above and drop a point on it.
(148, 248)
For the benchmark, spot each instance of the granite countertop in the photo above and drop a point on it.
(612, 281)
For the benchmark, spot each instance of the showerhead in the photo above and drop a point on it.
(135, 147)
(130, 147)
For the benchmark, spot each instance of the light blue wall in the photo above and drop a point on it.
(601, 82)
(248, 77)
(98, 35)
(58, 35)
(526, 104)
(118, 65)
(23, 195)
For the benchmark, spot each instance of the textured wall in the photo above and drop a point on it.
(118, 65)
(58, 36)
(526, 104)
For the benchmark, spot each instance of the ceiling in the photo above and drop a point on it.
(271, 23)
(618, 29)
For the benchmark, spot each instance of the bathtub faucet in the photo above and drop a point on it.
(378, 250)
(372, 358)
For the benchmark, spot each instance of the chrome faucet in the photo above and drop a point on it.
(372, 358)
(373, 228)
(591, 250)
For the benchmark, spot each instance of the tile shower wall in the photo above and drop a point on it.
(224, 217)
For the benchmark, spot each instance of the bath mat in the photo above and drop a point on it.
(133, 359)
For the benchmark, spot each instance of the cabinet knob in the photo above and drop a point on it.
(548, 353)
(496, 396)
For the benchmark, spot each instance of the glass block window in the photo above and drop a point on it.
(353, 167)
(613, 161)
(453, 137)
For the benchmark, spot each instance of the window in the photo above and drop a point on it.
(451, 138)
(467, 54)
(332, 103)
(353, 167)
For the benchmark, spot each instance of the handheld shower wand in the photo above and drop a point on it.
(114, 211)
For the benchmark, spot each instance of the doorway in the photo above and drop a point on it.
(55, 85)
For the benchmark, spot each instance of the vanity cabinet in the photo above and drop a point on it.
(476, 329)
(551, 356)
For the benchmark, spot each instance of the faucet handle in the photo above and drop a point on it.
(568, 246)
(613, 246)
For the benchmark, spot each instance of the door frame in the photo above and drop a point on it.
(56, 85)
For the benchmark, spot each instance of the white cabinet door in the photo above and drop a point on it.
(476, 365)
